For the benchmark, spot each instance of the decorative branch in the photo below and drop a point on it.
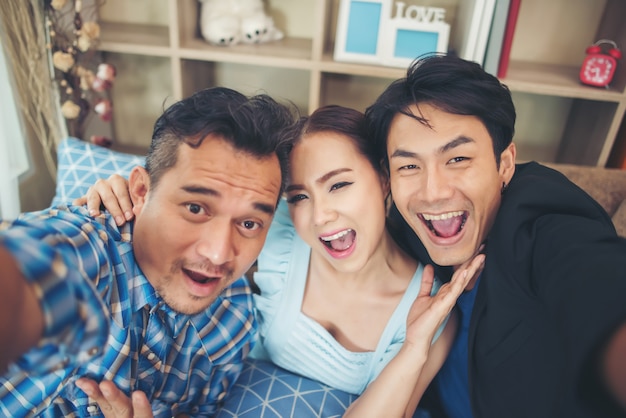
(24, 40)
(83, 81)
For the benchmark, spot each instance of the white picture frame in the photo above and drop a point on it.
(368, 34)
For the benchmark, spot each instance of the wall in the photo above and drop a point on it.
(37, 186)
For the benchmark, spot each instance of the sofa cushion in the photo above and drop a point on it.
(81, 163)
(606, 185)
(267, 391)
(619, 219)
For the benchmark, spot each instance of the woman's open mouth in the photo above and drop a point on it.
(340, 241)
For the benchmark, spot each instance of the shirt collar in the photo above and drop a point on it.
(142, 293)
(144, 296)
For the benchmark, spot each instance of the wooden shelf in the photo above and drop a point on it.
(554, 80)
(125, 37)
(162, 57)
(327, 64)
(286, 53)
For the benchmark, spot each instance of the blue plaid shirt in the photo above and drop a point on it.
(104, 320)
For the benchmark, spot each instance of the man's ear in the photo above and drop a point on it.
(138, 188)
(507, 163)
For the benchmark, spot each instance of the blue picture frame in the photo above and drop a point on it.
(410, 40)
(412, 43)
(363, 27)
(360, 30)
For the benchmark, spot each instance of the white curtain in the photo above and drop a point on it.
(13, 157)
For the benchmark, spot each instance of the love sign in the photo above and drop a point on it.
(388, 33)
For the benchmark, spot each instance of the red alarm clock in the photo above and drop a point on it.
(599, 65)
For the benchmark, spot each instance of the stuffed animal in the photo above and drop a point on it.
(259, 28)
(228, 22)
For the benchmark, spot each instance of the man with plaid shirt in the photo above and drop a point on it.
(159, 305)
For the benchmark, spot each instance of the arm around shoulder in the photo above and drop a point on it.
(614, 366)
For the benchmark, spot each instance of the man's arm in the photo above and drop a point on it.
(614, 366)
(21, 318)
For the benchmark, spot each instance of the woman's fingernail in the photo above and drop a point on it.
(119, 220)
(129, 215)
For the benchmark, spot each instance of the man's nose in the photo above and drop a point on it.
(217, 242)
(435, 186)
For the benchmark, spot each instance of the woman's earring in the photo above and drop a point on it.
(504, 186)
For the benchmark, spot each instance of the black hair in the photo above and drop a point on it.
(257, 125)
(342, 120)
(453, 85)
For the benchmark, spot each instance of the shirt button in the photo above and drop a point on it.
(93, 351)
(151, 356)
(61, 364)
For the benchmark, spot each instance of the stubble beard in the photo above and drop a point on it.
(179, 306)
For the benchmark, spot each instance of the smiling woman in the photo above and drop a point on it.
(337, 294)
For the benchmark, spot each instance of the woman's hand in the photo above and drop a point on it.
(111, 193)
(399, 387)
(428, 312)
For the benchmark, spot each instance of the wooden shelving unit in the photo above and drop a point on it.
(160, 56)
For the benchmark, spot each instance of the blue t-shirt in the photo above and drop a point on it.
(452, 381)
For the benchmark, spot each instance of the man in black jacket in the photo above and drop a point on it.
(542, 329)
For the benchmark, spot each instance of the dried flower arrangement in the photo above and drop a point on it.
(84, 82)
(24, 41)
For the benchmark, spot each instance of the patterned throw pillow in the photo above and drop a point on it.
(266, 391)
(81, 163)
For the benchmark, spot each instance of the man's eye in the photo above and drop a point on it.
(296, 198)
(251, 225)
(340, 185)
(407, 167)
(194, 208)
(457, 159)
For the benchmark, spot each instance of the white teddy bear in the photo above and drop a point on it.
(228, 22)
(259, 28)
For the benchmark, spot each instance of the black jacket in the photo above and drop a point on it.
(553, 289)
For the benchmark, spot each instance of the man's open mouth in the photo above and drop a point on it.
(199, 278)
(445, 225)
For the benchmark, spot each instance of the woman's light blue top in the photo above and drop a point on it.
(299, 344)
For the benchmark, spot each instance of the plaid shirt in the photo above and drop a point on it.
(104, 320)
